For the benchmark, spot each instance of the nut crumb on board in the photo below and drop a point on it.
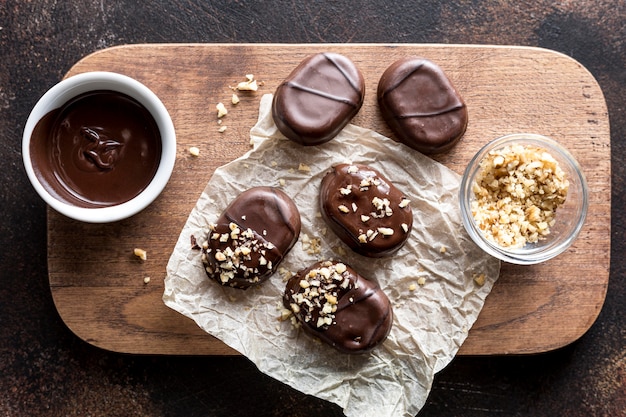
(221, 110)
(141, 254)
(249, 85)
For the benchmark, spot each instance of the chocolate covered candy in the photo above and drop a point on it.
(318, 98)
(335, 304)
(421, 106)
(251, 237)
(366, 211)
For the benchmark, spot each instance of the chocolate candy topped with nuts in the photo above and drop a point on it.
(421, 106)
(251, 237)
(337, 305)
(318, 98)
(366, 211)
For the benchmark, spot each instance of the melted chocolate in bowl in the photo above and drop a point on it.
(100, 149)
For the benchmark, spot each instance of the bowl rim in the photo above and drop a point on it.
(70, 87)
(519, 256)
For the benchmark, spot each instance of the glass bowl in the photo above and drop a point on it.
(569, 217)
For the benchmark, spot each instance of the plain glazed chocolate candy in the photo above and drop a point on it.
(335, 304)
(366, 211)
(421, 106)
(251, 237)
(318, 98)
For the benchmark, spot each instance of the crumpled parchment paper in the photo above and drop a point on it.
(431, 320)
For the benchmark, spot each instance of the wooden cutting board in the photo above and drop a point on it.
(98, 284)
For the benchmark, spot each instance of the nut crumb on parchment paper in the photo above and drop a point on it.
(479, 279)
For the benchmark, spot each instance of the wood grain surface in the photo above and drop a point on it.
(98, 284)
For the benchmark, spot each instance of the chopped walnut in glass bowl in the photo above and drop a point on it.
(523, 198)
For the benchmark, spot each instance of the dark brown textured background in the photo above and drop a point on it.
(46, 371)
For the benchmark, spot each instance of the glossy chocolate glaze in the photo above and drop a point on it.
(318, 98)
(362, 207)
(422, 107)
(100, 149)
(251, 237)
(351, 313)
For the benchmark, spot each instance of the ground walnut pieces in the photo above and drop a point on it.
(518, 190)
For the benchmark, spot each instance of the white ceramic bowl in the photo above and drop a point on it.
(569, 218)
(76, 85)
